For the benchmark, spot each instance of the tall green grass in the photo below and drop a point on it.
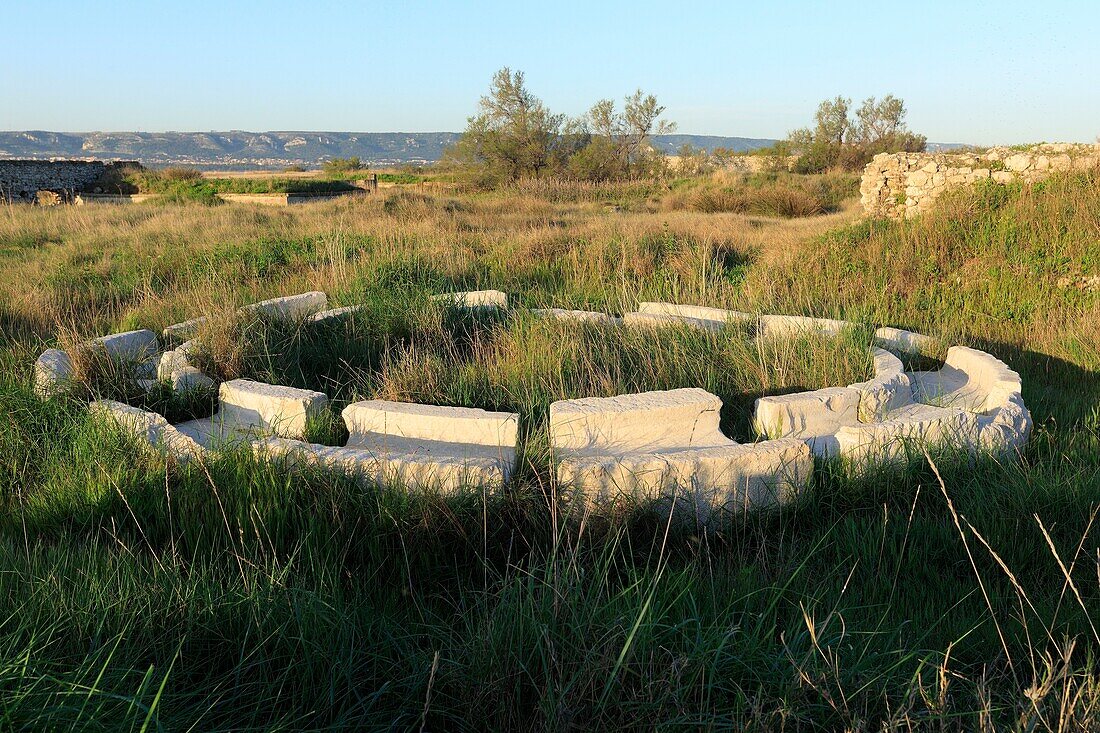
(956, 593)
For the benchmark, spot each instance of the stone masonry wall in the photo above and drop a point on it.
(21, 180)
(902, 185)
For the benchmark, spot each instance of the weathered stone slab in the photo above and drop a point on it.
(185, 330)
(888, 390)
(333, 314)
(812, 417)
(148, 427)
(696, 313)
(656, 320)
(1007, 428)
(970, 379)
(568, 315)
(774, 326)
(458, 425)
(128, 346)
(53, 372)
(290, 307)
(903, 341)
(283, 411)
(649, 421)
(907, 430)
(475, 299)
(189, 378)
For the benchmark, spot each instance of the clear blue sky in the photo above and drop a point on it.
(981, 72)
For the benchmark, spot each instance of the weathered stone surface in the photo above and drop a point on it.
(812, 417)
(888, 390)
(659, 320)
(128, 346)
(568, 315)
(185, 330)
(148, 427)
(696, 313)
(970, 379)
(678, 418)
(283, 411)
(189, 378)
(414, 465)
(457, 425)
(1006, 428)
(53, 371)
(904, 341)
(475, 299)
(904, 434)
(290, 307)
(333, 314)
(791, 326)
(22, 180)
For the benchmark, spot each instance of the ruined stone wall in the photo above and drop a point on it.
(21, 180)
(901, 185)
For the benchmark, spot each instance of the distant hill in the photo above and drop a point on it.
(237, 149)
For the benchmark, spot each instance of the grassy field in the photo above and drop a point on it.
(957, 593)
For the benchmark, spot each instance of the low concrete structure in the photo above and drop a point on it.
(289, 307)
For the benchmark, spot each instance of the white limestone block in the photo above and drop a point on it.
(696, 312)
(290, 307)
(904, 341)
(333, 314)
(430, 422)
(656, 320)
(185, 330)
(568, 315)
(812, 417)
(53, 371)
(697, 483)
(772, 326)
(888, 390)
(475, 299)
(1007, 428)
(189, 378)
(970, 379)
(678, 418)
(128, 346)
(148, 427)
(905, 432)
(283, 411)
(416, 465)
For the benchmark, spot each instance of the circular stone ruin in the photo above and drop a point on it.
(648, 447)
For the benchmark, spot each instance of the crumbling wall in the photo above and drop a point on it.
(22, 180)
(901, 185)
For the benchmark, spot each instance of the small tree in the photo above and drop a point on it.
(513, 134)
(620, 143)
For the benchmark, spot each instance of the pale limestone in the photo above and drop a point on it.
(459, 425)
(970, 379)
(573, 315)
(905, 433)
(185, 330)
(657, 320)
(905, 341)
(289, 307)
(189, 378)
(888, 390)
(53, 371)
(812, 417)
(696, 313)
(792, 326)
(333, 314)
(283, 411)
(475, 299)
(128, 346)
(148, 427)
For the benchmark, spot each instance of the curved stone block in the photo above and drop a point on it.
(904, 341)
(53, 372)
(1007, 428)
(128, 346)
(888, 390)
(970, 379)
(908, 429)
(812, 417)
(678, 418)
(657, 320)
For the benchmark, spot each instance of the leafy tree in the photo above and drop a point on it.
(840, 141)
(620, 142)
(832, 121)
(513, 134)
